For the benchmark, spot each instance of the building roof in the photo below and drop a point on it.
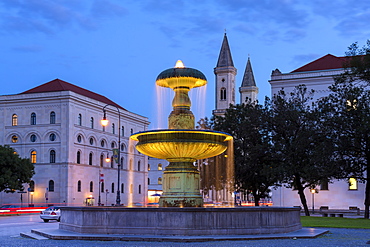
(60, 85)
(248, 78)
(225, 59)
(323, 63)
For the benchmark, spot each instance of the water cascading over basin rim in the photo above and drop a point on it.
(181, 145)
(181, 77)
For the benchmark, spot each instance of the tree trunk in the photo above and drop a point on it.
(301, 194)
(367, 193)
(256, 199)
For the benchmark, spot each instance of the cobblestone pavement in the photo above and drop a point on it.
(9, 236)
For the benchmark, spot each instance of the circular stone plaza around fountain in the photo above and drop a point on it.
(181, 212)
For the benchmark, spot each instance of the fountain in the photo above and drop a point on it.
(180, 212)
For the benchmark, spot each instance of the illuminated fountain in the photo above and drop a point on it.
(180, 212)
(181, 144)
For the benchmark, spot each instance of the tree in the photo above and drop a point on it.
(347, 114)
(14, 171)
(256, 169)
(300, 140)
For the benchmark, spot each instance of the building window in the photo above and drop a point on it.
(138, 165)
(52, 156)
(103, 128)
(90, 159)
(91, 186)
(148, 181)
(79, 120)
(148, 167)
(102, 143)
(79, 186)
(139, 188)
(78, 157)
(32, 186)
(159, 180)
(51, 185)
(121, 163)
(14, 120)
(123, 131)
(14, 139)
(91, 141)
(160, 167)
(33, 138)
(92, 122)
(52, 137)
(112, 189)
(122, 188)
(33, 118)
(352, 184)
(33, 157)
(102, 187)
(52, 117)
(223, 94)
(101, 160)
(324, 185)
(79, 138)
(132, 131)
(122, 147)
(113, 130)
(111, 161)
(113, 145)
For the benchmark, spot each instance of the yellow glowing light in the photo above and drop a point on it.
(104, 122)
(313, 191)
(179, 64)
(107, 160)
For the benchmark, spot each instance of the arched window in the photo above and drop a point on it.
(111, 161)
(102, 187)
(91, 186)
(79, 138)
(91, 140)
(122, 188)
(352, 184)
(132, 131)
(113, 145)
(138, 165)
(101, 160)
(92, 122)
(90, 159)
(52, 156)
(14, 139)
(148, 181)
(33, 157)
(122, 147)
(159, 180)
(113, 129)
(102, 143)
(52, 137)
(223, 94)
(52, 117)
(79, 120)
(160, 167)
(123, 131)
(33, 138)
(32, 186)
(148, 167)
(121, 163)
(51, 185)
(78, 157)
(14, 120)
(79, 186)
(139, 189)
(33, 118)
(112, 189)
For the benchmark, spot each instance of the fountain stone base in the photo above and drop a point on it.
(180, 221)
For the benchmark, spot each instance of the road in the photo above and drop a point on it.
(11, 226)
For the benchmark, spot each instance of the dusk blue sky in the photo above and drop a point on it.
(117, 48)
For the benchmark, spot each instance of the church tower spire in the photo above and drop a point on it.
(248, 90)
(225, 79)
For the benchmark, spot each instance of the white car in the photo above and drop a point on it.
(51, 213)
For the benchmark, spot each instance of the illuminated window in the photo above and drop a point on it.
(14, 139)
(14, 120)
(352, 184)
(160, 167)
(52, 156)
(79, 120)
(91, 186)
(52, 117)
(223, 94)
(159, 180)
(51, 185)
(33, 118)
(33, 157)
(79, 186)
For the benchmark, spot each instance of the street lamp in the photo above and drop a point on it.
(313, 191)
(101, 178)
(104, 122)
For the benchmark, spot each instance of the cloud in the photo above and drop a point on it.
(52, 16)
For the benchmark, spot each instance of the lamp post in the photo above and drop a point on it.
(104, 122)
(313, 191)
(101, 178)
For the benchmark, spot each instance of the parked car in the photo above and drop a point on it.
(51, 213)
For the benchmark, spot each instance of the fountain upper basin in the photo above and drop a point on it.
(181, 145)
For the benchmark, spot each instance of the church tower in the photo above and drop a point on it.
(225, 80)
(248, 90)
